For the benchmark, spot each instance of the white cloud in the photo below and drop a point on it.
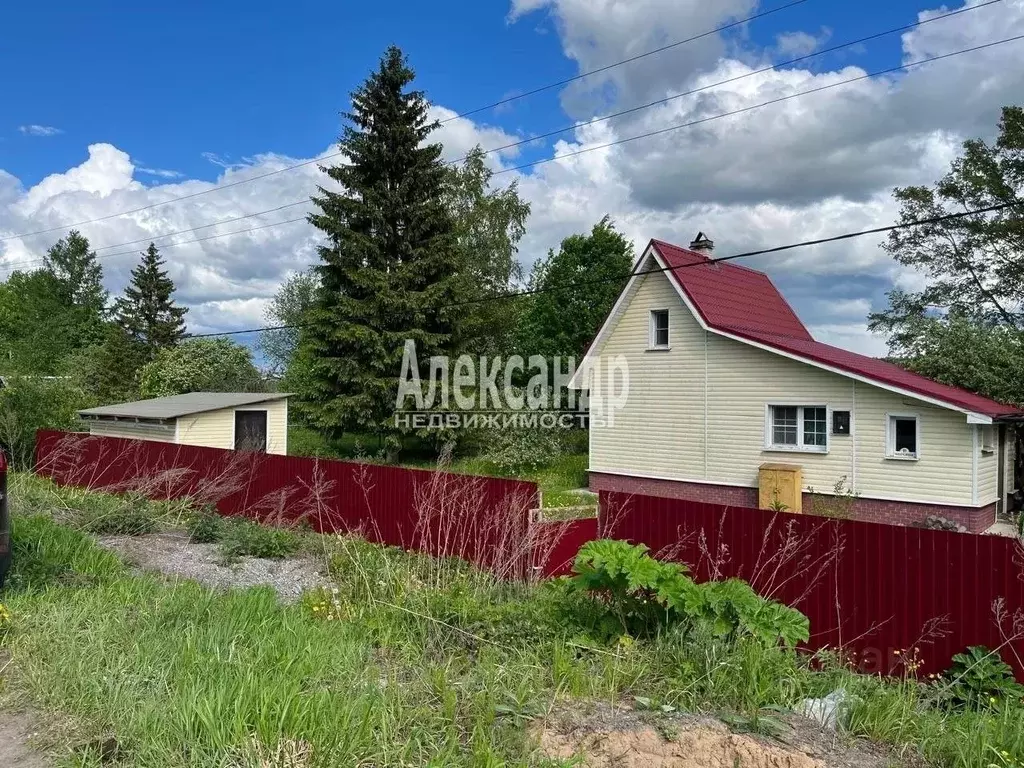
(851, 336)
(808, 168)
(793, 44)
(39, 130)
(162, 173)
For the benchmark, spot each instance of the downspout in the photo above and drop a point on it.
(1001, 472)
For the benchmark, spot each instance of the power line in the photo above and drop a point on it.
(153, 238)
(209, 237)
(214, 237)
(736, 78)
(582, 75)
(752, 107)
(635, 273)
(337, 154)
(631, 110)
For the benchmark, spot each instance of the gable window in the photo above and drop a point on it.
(659, 329)
(798, 428)
(902, 436)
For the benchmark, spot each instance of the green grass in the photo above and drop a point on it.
(408, 661)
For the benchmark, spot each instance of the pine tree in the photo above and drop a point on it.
(389, 265)
(146, 311)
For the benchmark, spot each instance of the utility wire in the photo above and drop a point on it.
(736, 78)
(7, 268)
(752, 107)
(582, 75)
(631, 110)
(636, 273)
(473, 111)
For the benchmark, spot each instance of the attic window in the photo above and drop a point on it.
(659, 329)
(902, 436)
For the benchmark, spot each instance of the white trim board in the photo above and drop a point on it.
(651, 252)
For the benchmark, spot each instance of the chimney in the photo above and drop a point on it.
(702, 244)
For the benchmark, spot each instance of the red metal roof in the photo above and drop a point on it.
(745, 302)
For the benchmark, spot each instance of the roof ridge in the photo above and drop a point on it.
(709, 259)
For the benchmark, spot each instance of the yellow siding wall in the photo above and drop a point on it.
(742, 380)
(944, 471)
(661, 431)
(1011, 450)
(132, 431)
(277, 426)
(216, 429)
(988, 469)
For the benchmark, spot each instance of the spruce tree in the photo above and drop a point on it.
(146, 311)
(388, 266)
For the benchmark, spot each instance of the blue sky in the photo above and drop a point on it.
(110, 106)
(174, 81)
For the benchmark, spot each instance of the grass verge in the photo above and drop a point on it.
(408, 660)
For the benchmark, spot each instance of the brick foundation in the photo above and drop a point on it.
(975, 519)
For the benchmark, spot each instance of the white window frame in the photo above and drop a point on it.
(890, 436)
(769, 432)
(652, 335)
(987, 439)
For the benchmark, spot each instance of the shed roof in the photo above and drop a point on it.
(183, 405)
(743, 302)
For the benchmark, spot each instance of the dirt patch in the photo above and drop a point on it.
(175, 554)
(16, 731)
(604, 736)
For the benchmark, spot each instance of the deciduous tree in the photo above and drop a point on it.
(489, 224)
(200, 365)
(288, 308)
(965, 326)
(79, 279)
(578, 286)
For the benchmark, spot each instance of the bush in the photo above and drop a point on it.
(129, 515)
(980, 679)
(205, 526)
(514, 451)
(244, 538)
(642, 594)
(31, 404)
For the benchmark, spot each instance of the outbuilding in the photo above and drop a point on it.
(247, 421)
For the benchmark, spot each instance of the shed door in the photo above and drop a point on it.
(251, 431)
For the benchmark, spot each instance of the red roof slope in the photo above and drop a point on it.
(745, 302)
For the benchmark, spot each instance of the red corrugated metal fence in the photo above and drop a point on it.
(868, 588)
(482, 519)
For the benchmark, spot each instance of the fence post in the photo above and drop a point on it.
(5, 522)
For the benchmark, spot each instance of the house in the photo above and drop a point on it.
(727, 387)
(238, 420)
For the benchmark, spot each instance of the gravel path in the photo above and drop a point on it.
(175, 554)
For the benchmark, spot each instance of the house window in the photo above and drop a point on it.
(902, 436)
(798, 427)
(659, 329)
(988, 439)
